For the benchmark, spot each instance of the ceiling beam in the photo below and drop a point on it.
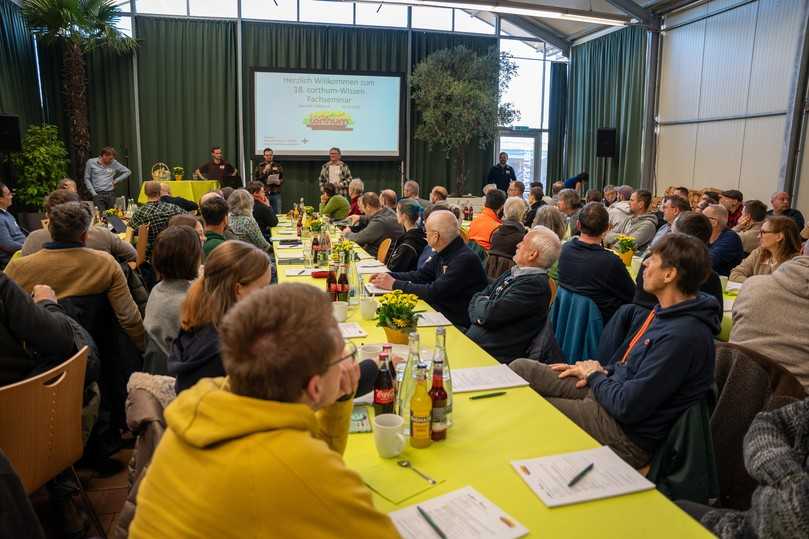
(541, 31)
(644, 15)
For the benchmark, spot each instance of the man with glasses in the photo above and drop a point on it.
(725, 246)
(11, 235)
(267, 440)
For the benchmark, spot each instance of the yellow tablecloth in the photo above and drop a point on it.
(188, 189)
(488, 434)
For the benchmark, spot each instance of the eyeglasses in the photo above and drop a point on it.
(762, 232)
(349, 352)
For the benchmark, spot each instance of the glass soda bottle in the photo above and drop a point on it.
(438, 395)
(407, 385)
(440, 354)
(384, 394)
(342, 284)
(331, 282)
(421, 408)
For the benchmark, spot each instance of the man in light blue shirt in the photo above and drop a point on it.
(673, 206)
(11, 235)
(100, 176)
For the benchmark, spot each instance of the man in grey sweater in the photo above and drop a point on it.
(641, 225)
(382, 224)
(100, 176)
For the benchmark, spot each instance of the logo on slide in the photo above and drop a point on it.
(329, 120)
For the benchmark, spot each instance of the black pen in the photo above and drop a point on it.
(579, 476)
(432, 523)
(487, 395)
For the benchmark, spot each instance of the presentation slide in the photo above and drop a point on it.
(305, 114)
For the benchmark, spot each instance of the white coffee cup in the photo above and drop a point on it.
(388, 436)
(368, 308)
(370, 351)
(340, 310)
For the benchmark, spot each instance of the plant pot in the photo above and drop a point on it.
(178, 177)
(398, 336)
(626, 257)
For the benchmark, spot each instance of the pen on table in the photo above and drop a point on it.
(432, 523)
(488, 395)
(579, 476)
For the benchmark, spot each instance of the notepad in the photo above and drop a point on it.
(485, 378)
(351, 330)
(433, 319)
(462, 513)
(374, 290)
(548, 477)
(284, 254)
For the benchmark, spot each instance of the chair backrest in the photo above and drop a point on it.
(577, 325)
(497, 265)
(382, 252)
(477, 249)
(748, 383)
(143, 243)
(40, 422)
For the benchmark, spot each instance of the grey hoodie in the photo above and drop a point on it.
(619, 214)
(767, 319)
(642, 227)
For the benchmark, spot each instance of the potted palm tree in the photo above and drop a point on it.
(77, 26)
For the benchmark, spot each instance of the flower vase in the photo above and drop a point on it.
(178, 177)
(398, 336)
(626, 257)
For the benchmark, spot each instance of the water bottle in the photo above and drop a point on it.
(441, 353)
(408, 383)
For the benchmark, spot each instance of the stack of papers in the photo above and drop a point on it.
(462, 513)
(369, 267)
(374, 290)
(433, 319)
(610, 476)
(351, 330)
(485, 378)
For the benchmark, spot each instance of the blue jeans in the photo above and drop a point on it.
(275, 202)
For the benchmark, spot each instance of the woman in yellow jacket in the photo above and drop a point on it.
(259, 454)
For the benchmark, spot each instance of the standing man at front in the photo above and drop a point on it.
(501, 174)
(218, 169)
(100, 176)
(271, 174)
(336, 172)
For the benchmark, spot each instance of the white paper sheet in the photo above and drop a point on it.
(351, 330)
(548, 477)
(433, 319)
(274, 179)
(285, 254)
(374, 290)
(485, 378)
(287, 239)
(733, 286)
(461, 514)
(303, 272)
(372, 269)
(728, 304)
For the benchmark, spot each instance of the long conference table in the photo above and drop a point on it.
(487, 435)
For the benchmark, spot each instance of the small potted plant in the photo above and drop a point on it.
(179, 172)
(397, 315)
(315, 225)
(341, 251)
(625, 247)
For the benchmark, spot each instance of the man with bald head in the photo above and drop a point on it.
(780, 206)
(508, 314)
(388, 198)
(450, 277)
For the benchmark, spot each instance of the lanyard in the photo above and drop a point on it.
(638, 335)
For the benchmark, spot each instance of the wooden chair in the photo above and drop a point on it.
(143, 241)
(40, 425)
(382, 252)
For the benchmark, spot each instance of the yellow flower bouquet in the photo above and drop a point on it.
(625, 247)
(398, 315)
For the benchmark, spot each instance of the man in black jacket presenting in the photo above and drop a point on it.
(513, 309)
(449, 278)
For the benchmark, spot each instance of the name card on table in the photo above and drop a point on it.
(461, 513)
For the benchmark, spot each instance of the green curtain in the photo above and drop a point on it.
(606, 90)
(187, 91)
(431, 168)
(557, 110)
(18, 84)
(328, 48)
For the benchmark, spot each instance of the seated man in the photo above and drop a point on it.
(569, 203)
(753, 214)
(411, 190)
(270, 437)
(98, 237)
(619, 210)
(766, 319)
(381, 225)
(673, 206)
(262, 211)
(725, 245)
(512, 310)
(486, 222)
(586, 268)
(156, 213)
(516, 189)
(631, 400)
(535, 202)
(641, 224)
(215, 212)
(11, 235)
(449, 278)
(71, 269)
(165, 196)
(388, 198)
(438, 194)
(781, 206)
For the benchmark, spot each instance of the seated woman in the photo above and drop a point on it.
(355, 190)
(242, 223)
(780, 241)
(176, 258)
(333, 205)
(404, 254)
(233, 271)
(506, 237)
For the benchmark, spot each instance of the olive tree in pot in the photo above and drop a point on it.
(40, 165)
(457, 93)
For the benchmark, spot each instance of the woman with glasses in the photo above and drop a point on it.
(259, 454)
(779, 241)
(233, 271)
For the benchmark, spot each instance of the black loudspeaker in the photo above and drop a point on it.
(605, 143)
(10, 133)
